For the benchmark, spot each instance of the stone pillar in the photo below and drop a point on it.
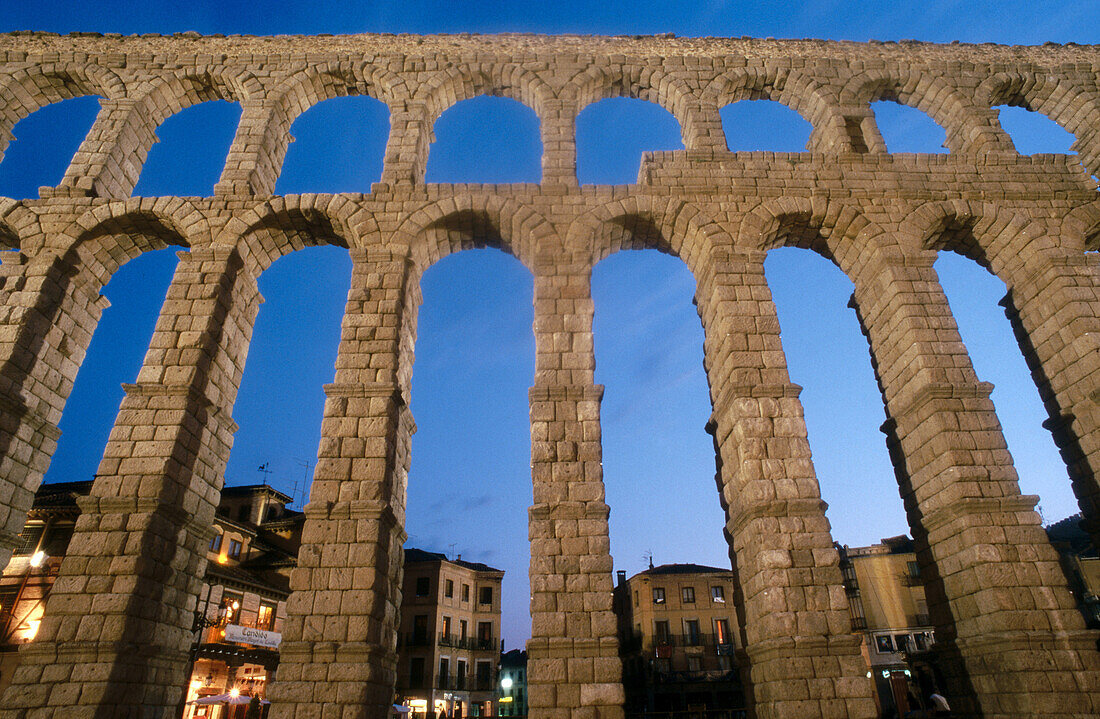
(703, 129)
(339, 652)
(256, 156)
(573, 668)
(109, 161)
(114, 640)
(1052, 305)
(559, 143)
(803, 659)
(407, 148)
(48, 311)
(1010, 640)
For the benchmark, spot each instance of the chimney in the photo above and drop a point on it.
(621, 577)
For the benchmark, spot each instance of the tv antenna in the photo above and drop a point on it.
(307, 465)
(262, 469)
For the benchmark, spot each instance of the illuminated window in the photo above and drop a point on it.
(265, 619)
(688, 595)
(231, 607)
(234, 549)
(718, 594)
(722, 631)
(216, 543)
(658, 595)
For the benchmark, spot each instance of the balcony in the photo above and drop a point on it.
(473, 644)
(414, 639)
(690, 640)
(859, 624)
(465, 682)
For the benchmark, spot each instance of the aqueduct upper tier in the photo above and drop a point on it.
(115, 636)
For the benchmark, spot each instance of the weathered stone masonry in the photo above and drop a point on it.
(116, 629)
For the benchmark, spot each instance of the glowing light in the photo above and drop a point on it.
(37, 558)
(506, 683)
(234, 692)
(236, 605)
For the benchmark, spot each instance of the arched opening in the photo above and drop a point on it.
(752, 125)
(190, 155)
(470, 479)
(907, 129)
(612, 134)
(121, 339)
(658, 459)
(486, 139)
(827, 355)
(45, 142)
(338, 146)
(1034, 133)
(974, 295)
(280, 403)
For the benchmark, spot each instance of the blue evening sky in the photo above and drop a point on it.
(469, 487)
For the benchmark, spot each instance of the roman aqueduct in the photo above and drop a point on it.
(115, 637)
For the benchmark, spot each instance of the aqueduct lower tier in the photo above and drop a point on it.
(115, 637)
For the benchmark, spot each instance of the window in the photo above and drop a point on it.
(658, 595)
(465, 592)
(28, 538)
(416, 673)
(661, 631)
(420, 630)
(423, 586)
(884, 644)
(449, 589)
(234, 549)
(722, 631)
(460, 674)
(444, 670)
(718, 594)
(462, 626)
(447, 627)
(231, 607)
(687, 594)
(216, 543)
(484, 676)
(265, 618)
(695, 663)
(485, 596)
(691, 632)
(484, 635)
(635, 597)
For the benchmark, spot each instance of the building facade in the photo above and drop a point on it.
(889, 613)
(513, 684)
(238, 621)
(449, 644)
(679, 640)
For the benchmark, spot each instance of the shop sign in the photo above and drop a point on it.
(250, 635)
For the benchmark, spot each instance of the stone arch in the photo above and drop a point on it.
(966, 130)
(1083, 224)
(286, 224)
(836, 231)
(456, 84)
(110, 235)
(641, 223)
(17, 225)
(788, 87)
(641, 82)
(996, 238)
(440, 228)
(32, 87)
(1075, 109)
(169, 95)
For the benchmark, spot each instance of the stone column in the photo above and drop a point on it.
(256, 156)
(573, 667)
(803, 659)
(109, 161)
(48, 311)
(339, 652)
(114, 640)
(1052, 304)
(559, 143)
(1010, 641)
(407, 149)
